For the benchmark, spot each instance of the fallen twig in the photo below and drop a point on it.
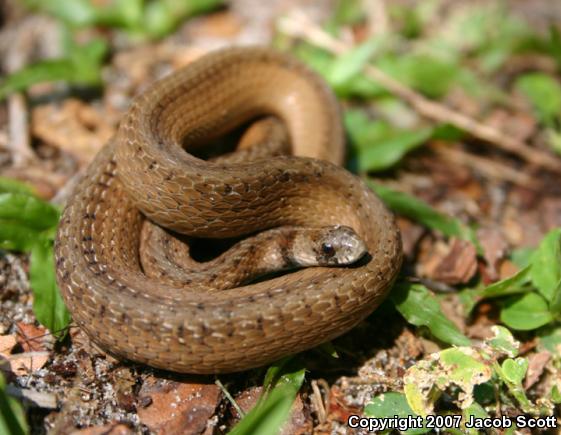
(489, 168)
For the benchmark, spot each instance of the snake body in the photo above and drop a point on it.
(145, 173)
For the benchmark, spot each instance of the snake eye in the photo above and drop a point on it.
(328, 250)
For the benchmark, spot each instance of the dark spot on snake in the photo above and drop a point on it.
(152, 164)
(204, 329)
(65, 276)
(285, 176)
(251, 298)
(213, 276)
(236, 261)
(187, 281)
(104, 185)
(180, 330)
(318, 173)
(227, 189)
(102, 310)
(247, 187)
(260, 322)
(87, 239)
(230, 333)
(337, 299)
(200, 306)
(126, 318)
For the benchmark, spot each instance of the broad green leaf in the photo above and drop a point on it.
(544, 92)
(162, 17)
(526, 312)
(76, 13)
(158, 19)
(423, 213)
(269, 415)
(17, 237)
(378, 145)
(12, 417)
(514, 370)
(321, 61)
(516, 283)
(347, 12)
(420, 308)
(388, 405)
(45, 71)
(431, 76)
(9, 185)
(522, 257)
(350, 64)
(28, 211)
(555, 303)
(48, 305)
(550, 338)
(546, 265)
(555, 395)
(83, 67)
(448, 132)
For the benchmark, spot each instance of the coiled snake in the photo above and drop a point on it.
(133, 299)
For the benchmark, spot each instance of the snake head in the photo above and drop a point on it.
(329, 246)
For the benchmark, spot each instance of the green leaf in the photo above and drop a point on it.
(514, 370)
(274, 371)
(420, 308)
(12, 417)
(526, 312)
(48, 305)
(9, 185)
(503, 342)
(544, 93)
(388, 405)
(17, 237)
(76, 13)
(268, 416)
(546, 265)
(431, 76)
(516, 283)
(349, 65)
(477, 411)
(522, 257)
(423, 213)
(550, 338)
(28, 211)
(380, 146)
(347, 12)
(555, 395)
(82, 67)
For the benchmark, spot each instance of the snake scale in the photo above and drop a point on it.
(147, 174)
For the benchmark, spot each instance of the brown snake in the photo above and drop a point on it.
(184, 328)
